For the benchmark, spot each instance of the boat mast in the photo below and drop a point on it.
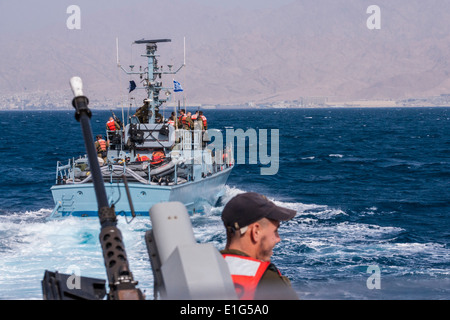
(151, 85)
(151, 75)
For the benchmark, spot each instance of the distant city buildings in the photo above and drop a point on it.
(62, 100)
(45, 100)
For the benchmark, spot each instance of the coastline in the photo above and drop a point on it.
(384, 104)
(324, 104)
(356, 104)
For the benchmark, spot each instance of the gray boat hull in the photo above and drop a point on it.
(79, 199)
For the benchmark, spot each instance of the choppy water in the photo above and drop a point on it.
(371, 188)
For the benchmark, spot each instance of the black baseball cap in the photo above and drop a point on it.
(247, 208)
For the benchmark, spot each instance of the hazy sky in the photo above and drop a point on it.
(17, 16)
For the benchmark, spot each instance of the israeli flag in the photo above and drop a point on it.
(177, 86)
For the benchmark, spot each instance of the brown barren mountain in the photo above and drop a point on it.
(238, 54)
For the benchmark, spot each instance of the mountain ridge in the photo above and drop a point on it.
(236, 55)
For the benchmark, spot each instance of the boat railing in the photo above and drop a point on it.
(191, 145)
(189, 151)
(66, 173)
(115, 138)
(63, 172)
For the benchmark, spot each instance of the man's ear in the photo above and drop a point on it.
(255, 232)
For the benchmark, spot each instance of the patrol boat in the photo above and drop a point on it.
(148, 161)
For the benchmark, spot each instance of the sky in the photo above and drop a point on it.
(26, 15)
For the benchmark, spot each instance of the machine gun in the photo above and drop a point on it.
(122, 286)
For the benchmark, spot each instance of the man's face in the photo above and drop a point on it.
(269, 238)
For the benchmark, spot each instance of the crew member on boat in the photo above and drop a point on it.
(182, 113)
(203, 119)
(102, 148)
(112, 125)
(172, 119)
(142, 112)
(187, 122)
(199, 118)
(251, 223)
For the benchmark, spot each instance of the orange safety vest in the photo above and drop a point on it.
(183, 119)
(102, 144)
(111, 125)
(204, 120)
(157, 157)
(246, 273)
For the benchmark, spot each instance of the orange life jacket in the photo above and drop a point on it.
(102, 144)
(142, 158)
(171, 122)
(183, 119)
(157, 157)
(204, 121)
(246, 273)
(111, 125)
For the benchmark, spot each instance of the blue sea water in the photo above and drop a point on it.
(371, 188)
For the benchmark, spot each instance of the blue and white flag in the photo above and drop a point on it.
(177, 86)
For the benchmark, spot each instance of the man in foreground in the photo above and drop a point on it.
(251, 223)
